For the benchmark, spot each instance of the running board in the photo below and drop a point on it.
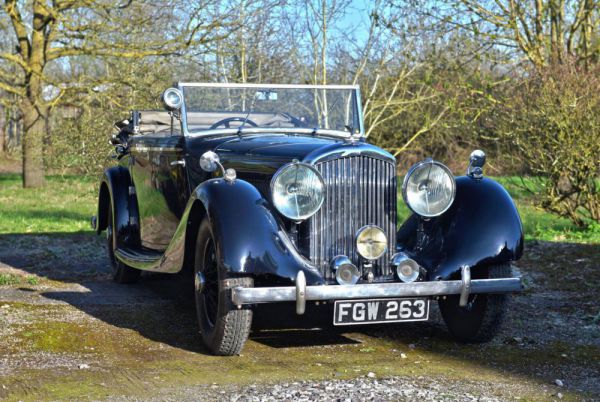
(144, 259)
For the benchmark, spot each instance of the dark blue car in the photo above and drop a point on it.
(271, 194)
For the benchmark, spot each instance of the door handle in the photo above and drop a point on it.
(179, 162)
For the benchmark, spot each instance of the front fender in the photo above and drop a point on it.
(482, 227)
(248, 235)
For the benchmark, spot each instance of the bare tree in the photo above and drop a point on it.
(45, 33)
(543, 31)
(261, 50)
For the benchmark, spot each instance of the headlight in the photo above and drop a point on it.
(298, 191)
(371, 242)
(429, 188)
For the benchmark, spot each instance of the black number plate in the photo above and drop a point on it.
(353, 312)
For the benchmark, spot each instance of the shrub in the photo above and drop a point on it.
(552, 121)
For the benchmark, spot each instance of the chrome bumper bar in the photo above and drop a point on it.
(301, 293)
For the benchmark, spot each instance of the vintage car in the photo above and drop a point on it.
(271, 194)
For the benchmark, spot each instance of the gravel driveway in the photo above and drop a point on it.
(68, 332)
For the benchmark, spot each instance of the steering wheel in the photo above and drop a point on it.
(225, 122)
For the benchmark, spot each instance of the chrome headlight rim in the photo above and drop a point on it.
(412, 170)
(172, 99)
(282, 170)
(362, 230)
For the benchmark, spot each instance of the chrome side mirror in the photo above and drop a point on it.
(209, 162)
(476, 162)
(172, 99)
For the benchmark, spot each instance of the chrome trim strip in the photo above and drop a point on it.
(262, 130)
(183, 114)
(138, 260)
(361, 119)
(348, 150)
(267, 86)
(143, 148)
(240, 295)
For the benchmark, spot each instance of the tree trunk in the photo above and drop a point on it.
(34, 130)
(3, 133)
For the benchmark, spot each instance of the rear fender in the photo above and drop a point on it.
(481, 228)
(114, 189)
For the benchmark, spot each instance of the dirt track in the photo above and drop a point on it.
(68, 332)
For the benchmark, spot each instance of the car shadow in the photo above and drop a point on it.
(161, 308)
(56, 256)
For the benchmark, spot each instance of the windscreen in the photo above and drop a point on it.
(213, 108)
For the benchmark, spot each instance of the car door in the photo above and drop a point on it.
(171, 182)
(159, 179)
(143, 173)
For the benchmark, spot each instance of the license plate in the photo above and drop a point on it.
(373, 311)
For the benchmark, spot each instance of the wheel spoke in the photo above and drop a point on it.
(210, 294)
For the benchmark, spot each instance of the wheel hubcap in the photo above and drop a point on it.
(470, 303)
(199, 282)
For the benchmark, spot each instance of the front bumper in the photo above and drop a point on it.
(302, 293)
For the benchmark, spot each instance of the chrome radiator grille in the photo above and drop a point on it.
(359, 190)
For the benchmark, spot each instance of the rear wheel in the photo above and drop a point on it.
(121, 272)
(224, 327)
(480, 320)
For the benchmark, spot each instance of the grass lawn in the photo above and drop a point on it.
(67, 202)
(542, 225)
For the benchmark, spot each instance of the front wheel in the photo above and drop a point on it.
(480, 320)
(224, 327)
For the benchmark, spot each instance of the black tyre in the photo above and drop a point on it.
(224, 327)
(121, 272)
(481, 319)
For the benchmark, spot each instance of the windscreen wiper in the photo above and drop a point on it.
(239, 132)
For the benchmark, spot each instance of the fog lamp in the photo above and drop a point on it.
(406, 268)
(371, 242)
(346, 273)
